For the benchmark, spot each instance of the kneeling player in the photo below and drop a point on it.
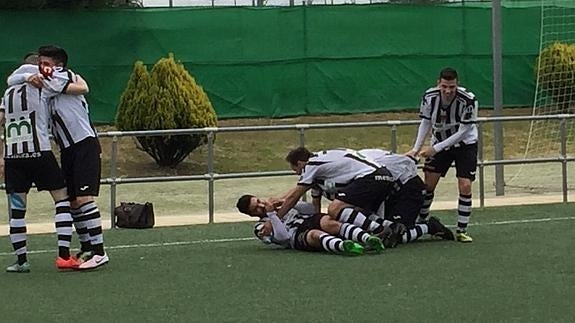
(301, 229)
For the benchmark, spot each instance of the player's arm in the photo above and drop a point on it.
(466, 125)
(279, 230)
(78, 87)
(22, 74)
(2, 124)
(316, 199)
(291, 199)
(424, 127)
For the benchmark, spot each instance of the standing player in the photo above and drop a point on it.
(80, 157)
(449, 112)
(28, 159)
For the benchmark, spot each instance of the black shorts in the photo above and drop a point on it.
(465, 158)
(311, 223)
(368, 192)
(81, 166)
(43, 171)
(404, 206)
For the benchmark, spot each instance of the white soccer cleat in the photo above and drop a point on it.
(94, 262)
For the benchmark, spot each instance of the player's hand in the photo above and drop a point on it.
(36, 80)
(268, 206)
(266, 230)
(428, 152)
(276, 202)
(412, 153)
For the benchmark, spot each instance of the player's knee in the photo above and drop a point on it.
(464, 185)
(334, 208)
(313, 238)
(330, 225)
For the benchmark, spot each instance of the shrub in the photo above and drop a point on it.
(555, 68)
(168, 97)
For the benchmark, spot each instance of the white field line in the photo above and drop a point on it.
(185, 243)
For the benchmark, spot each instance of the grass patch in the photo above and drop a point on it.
(514, 272)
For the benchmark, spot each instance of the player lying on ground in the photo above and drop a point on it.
(302, 229)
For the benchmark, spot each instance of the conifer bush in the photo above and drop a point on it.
(167, 97)
(555, 69)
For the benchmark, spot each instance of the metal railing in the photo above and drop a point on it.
(211, 177)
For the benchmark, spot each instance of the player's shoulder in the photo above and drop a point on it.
(465, 94)
(432, 91)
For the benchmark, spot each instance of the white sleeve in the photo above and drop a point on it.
(422, 132)
(455, 138)
(22, 74)
(280, 232)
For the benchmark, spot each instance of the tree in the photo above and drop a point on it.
(168, 97)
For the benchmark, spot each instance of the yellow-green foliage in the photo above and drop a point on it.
(555, 68)
(168, 97)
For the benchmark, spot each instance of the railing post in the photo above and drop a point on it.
(301, 132)
(564, 158)
(211, 177)
(113, 163)
(394, 139)
(481, 167)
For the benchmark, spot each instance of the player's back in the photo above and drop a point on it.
(27, 120)
(340, 166)
(70, 115)
(401, 167)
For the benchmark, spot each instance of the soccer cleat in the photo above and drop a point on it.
(94, 262)
(375, 243)
(70, 263)
(16, 268)
(391, 235)
(463, 236)
(351, 248)
(437, 229)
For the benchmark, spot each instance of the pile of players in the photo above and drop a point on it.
(377, 198)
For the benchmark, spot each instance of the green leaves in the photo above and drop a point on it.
(555, 68)
(168, 97)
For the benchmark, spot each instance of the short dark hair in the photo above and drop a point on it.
(298, 154)
(56, 53)
(243, 204)
(30, 58)
(448, 74)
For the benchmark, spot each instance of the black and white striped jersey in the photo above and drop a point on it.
(336, 168)
(401, 167)
(26, 131)
(291, 221)
(70, 114)
(446, 117)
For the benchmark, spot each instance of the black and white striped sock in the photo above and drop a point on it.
(349, 231)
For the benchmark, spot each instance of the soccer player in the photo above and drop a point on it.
(404, 205)
(80, 159)
(449, 112)
(303, 229)
(362, 184)
(27, 159)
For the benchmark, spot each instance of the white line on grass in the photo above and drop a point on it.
(185, 243)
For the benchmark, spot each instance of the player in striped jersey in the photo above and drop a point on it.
(362, 184)
(28, 159)
(449, 112)
(403, 206)
(79, 157)
(303, 229)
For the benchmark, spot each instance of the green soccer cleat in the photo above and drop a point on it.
(16, 268)
(374, 243)
(351, 248)
(463, 236)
